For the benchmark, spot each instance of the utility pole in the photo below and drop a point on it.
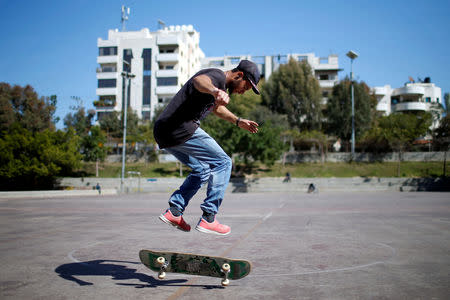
(127, 76)
(352, 55)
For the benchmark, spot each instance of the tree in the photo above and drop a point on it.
(23, 105)
(339, 110)
(32, 153)
(318, 138)
(33, 160)
(110, 123)
(265, 146)
(91, 138)
(293, 90)
(441, 138)
(399, 131)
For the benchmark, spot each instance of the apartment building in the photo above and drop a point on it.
(161, 61)
(325, 69)
(413, 96)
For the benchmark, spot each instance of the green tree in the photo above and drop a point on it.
(318, 138)
(33, 160)
(23, 105)
(441, 138)
(32, 153)
(293, 90)
(339, 110)
(399, 131)
(91, 138)
(110, 123)
(265, 146)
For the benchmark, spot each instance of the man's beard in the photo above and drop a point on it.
(231, 87)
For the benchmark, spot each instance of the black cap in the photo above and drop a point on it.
(251, 72)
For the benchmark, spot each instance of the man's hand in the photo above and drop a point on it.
(221, 97)
(248, 125)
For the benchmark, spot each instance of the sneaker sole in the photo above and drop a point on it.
(165, 220)
(204, 230)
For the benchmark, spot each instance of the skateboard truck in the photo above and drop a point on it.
(163, 265)
(226, 271)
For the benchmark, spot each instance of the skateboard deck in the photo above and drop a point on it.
(194, 264)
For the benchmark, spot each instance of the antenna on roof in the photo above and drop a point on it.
(125, 15)
(161, 24)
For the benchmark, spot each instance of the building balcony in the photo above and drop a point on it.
(327, 83)
(167, 90)
(104, 104)
(168, 57)
(106, 91)
(168, 40)
(409, 90)
(380, 90)
(107, 59)
(383, 107)
(405, 106)
(107, 75)
(167, 73)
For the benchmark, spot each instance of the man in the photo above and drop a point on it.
(178, 131)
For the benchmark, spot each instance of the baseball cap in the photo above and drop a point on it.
(251, 72)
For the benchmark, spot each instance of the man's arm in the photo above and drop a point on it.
(223, 113)
(203, 84)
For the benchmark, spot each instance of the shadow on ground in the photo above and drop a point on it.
(117, 271)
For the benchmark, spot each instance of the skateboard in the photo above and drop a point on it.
(194, 264)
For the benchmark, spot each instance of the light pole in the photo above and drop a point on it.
(352, 55)
(127, 76)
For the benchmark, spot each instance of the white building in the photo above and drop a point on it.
(161, 61)
(414, 96)
(325, 69)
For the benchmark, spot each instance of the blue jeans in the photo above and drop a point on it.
(209, 163)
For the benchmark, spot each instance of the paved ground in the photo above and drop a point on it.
(385, 245)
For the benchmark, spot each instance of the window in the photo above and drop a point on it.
(105, 68)
(146, 116)
(107, 51)
(324, 77)
(166, 81)
(303, 58)
(147, 58)
(127, 56)
(146, 88)
(216, 63)
(106, 83)
(428, 99)
(168, 49)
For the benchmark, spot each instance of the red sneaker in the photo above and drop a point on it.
(178, 222)
(213, 228)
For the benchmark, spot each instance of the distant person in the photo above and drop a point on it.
(312, 188)
(287, 178)
(337, 145)
(98, 188)
(178, 131)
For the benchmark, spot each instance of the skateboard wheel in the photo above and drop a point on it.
(225, 282)
(162, 275)
(161, 260)
(225, 267)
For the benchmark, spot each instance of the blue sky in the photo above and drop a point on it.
(52, 45)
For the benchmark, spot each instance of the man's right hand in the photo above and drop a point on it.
(221, 97)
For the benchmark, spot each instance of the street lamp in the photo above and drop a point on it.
(127, 76)
(352, 55)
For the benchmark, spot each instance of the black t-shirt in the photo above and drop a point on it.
(179, 120)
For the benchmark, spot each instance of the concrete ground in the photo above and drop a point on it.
(342, 245)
